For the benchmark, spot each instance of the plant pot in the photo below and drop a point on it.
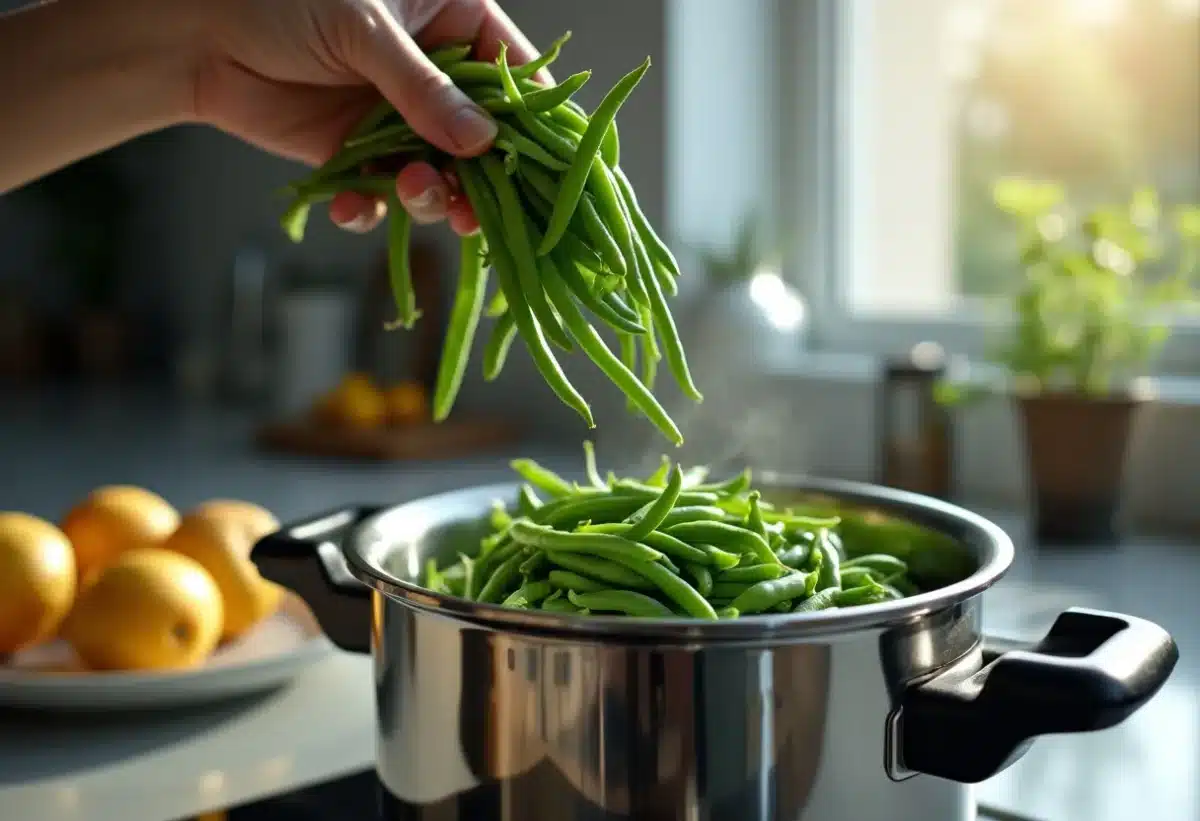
(100, 345)
(1075, 450)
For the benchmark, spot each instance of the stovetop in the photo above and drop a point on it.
(356, 796)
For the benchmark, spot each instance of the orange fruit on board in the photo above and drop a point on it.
(113, 519)
(219, 535)
(355, 403)
(151, 609)
(407, 404)
(37, 580)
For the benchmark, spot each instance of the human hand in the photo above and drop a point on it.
(295, 77)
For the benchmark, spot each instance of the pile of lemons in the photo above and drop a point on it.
(358, 403)
(131, 584)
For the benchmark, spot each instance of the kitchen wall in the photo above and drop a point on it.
(212, 194)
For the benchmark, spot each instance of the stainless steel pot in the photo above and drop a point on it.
(880, 713)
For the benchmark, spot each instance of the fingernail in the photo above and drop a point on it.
(471, 129)
(426, 206)
(359, 225)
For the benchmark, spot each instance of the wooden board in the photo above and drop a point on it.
(447, 440)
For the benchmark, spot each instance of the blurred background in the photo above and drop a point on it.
(860, 142)
(826, 172)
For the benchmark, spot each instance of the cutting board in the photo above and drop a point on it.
(418, 442)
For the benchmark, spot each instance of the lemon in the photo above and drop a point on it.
(406, 404)
(219, 536)
(151, 609)
(113, 519)
(37, 580)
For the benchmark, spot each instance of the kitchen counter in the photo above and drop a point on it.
(160, 767)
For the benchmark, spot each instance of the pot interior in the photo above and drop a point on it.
(952, 553)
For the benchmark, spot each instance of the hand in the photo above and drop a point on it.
(295, 76)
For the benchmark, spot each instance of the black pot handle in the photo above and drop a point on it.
(1092, 670)
(306, 557)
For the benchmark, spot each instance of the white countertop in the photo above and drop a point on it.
(172, 766)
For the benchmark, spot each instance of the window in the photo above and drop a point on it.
(935, 99)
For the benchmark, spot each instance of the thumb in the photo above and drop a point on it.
(427, 99)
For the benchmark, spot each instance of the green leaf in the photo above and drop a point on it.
(1026, 198)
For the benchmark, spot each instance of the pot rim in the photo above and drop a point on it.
(391, 530)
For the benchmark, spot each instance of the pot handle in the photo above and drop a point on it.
(306, 557)
(1092, 670)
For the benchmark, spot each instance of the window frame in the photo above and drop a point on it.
(816, 55)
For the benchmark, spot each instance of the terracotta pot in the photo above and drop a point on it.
(1075, 449)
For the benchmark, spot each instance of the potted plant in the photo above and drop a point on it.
(1090, 314)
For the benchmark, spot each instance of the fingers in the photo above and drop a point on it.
(435, 108)
(427, 195)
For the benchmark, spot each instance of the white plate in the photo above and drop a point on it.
(268, 656)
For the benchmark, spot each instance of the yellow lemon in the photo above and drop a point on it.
(406, 404)
(219, 536)
(151, 609)
(114, 519)
(37, 580)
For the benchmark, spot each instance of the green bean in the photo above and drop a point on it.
(673, 587)
(487, 211)
(556, 95)
(469, 587)
(728, 590)
(667, 545)
(821, 600)
(374, 118)
(768, 594)
(653, 516)
(541, 477)
(561, 605)
(664, 322)
(593, 345)
(754, 519)
(728, 613)
(603, 545)
(661, 473)
(528, 147)
(507, 81)
(594, 226)
(568, 513)
(884, 563)
(527, 501)
(527, 70)
(829, 570)
(566, 580)
(621, 601)
(464, 320)
(794, 556)
(533, 565)
(495, 352)
(872, 593)
(388, 132)
(752, 573)
(612, 211)
(528, 594)
(730, 487)
(857, 577)
(572, 116)
(629, 349)
(650, 354)
(657, 249)
(449, 55)
(399, 272)
(520, 246)
(500, 580)
(610, 310)
(575, 179)
(719, 558)
(721, 534)
(702, 576)
(590, 469)
(691, 513)
(602, 569)
(541, 132)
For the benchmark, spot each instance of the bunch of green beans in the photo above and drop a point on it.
(560, 227)
(671, 545)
